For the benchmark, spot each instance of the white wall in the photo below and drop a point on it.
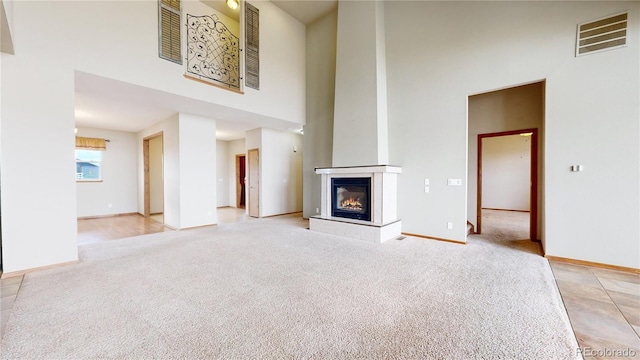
(280, 170)
(189, 170)
(431, 72)
(506, 172)
(360, 127)
(38, 103)
(236, 147)
(198, 181)
(281, 173)
(318, 131)
(117, 192)
(222, 172)
(156, 182)
(49, 127)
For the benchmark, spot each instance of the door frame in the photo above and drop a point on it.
(250, 176)
(145, 156)
(533, 190)
(239, 188)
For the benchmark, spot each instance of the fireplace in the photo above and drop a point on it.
(351, 198)
(359, 202)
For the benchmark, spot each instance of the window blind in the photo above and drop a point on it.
(252, 47)
(90, 143)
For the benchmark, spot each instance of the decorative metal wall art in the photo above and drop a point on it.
(213, 52)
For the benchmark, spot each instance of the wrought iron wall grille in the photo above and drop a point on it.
(252, 47)
(213, 52)
(602, 34)
(169, 16)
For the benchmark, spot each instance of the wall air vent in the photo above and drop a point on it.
(602, 34)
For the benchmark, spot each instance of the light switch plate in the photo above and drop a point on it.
(454, 182)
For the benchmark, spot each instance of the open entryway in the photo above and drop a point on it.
(505, 162)
(241, 178)
(508, 182)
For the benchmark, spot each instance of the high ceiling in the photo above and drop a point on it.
(306, 11)
(115, 105)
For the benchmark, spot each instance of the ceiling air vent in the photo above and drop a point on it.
(602, 34)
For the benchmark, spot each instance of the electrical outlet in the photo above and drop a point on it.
(449, 225)
(317, 210)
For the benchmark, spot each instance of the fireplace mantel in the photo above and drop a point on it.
(384, 224)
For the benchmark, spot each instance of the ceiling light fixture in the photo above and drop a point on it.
(233, 4)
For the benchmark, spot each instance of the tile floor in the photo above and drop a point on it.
(603, 305)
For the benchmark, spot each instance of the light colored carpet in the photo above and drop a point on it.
(269, 288)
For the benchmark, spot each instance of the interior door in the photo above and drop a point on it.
(254, 183)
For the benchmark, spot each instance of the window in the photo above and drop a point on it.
(169, 17)
(89, 158)
(88, 165)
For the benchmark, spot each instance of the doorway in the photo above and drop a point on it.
(510, 178)
(154, 177)
(254, 183)
(241, 178)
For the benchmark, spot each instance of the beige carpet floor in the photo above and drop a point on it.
(270, 288)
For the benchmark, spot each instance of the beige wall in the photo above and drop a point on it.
(318, 132)
(506, 172)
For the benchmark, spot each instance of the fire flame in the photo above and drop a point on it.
(351, 204)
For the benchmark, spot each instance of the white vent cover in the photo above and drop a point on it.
(602, 34)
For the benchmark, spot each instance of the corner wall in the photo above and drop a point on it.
(318, 131)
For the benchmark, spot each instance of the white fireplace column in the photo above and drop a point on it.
(384, 224)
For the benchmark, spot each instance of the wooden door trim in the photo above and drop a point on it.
(533, 190)
(250, 175)
(145, 156)
(238, 187)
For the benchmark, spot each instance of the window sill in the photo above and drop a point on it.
(88, 181)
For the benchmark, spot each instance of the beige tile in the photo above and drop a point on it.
(11, 280)
(574, 291)
(616, 275)
(592, 346)
(632, 314)
(574, 274)
(620, 286)
(569, 267)
(601, 320)
(9, 290)
(625, 299)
